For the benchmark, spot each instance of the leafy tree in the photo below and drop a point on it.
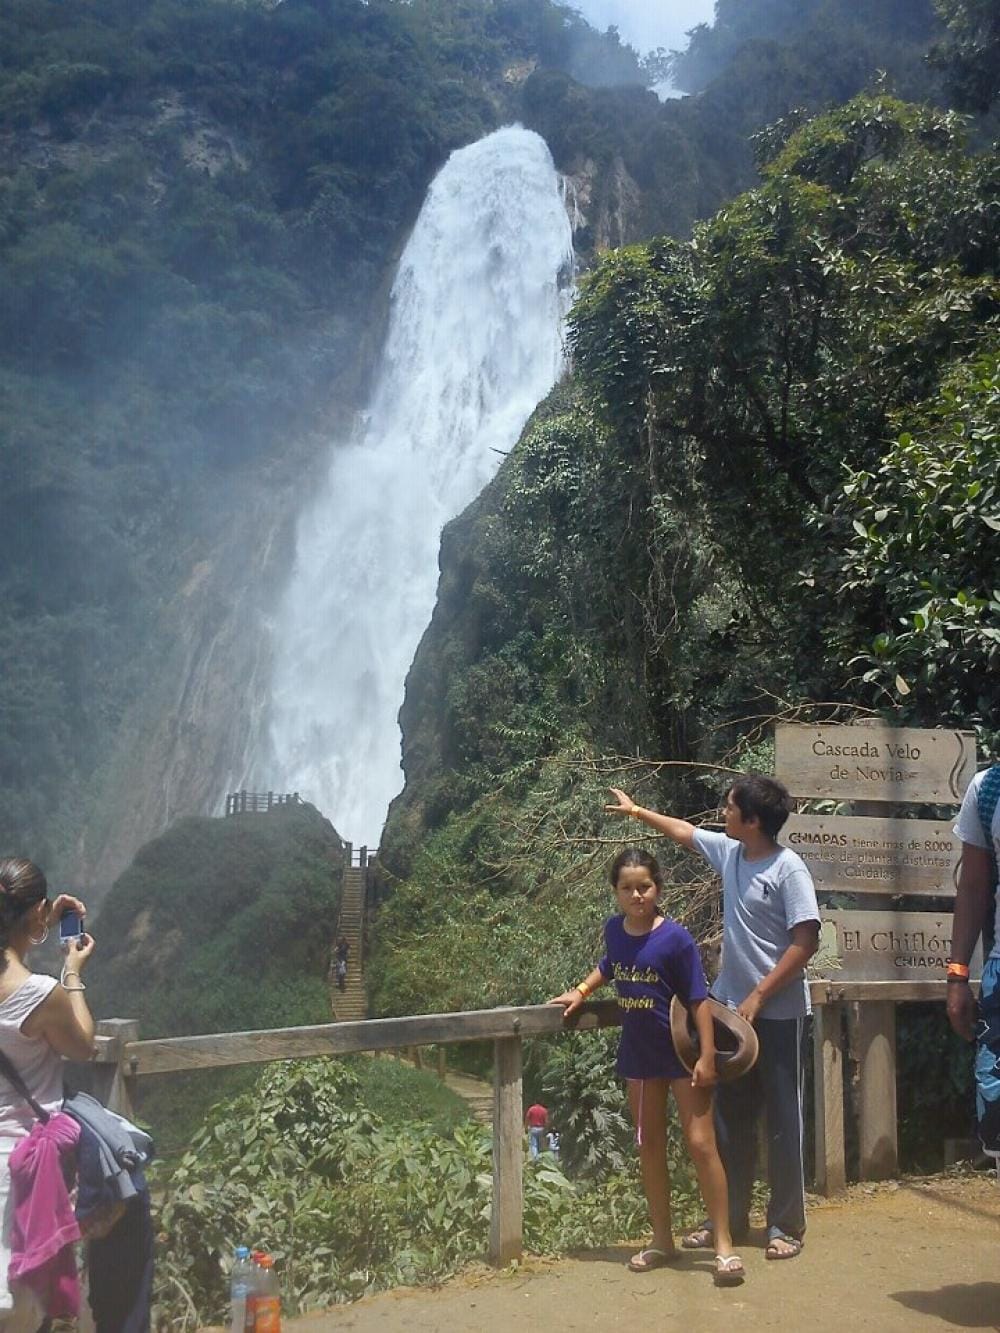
(806, 309)
(347, 1204)
(969, 55)
(918, 561)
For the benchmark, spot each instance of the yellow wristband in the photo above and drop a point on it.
(634, 812)
(583, 988)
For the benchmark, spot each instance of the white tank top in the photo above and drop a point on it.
(33, 1058)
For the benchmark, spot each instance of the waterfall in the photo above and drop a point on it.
(474, 343)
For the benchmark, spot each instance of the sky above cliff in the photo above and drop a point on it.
(647, 24)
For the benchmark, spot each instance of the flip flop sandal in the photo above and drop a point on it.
(701, 1238)
(781, 1238)
(729, 1271)
(648, 1259)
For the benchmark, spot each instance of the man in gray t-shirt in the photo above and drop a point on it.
(977, 908)
(763, 900)
(770, 931)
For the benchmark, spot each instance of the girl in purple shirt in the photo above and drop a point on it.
(650, 959)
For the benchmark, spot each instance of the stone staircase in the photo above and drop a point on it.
(350, 1004)
(477, 1093)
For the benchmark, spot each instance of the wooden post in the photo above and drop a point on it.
(113, 1081)
(506, 1219)
(442, 1062)
(876, 1045)
(828, 1089)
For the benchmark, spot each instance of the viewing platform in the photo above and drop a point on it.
(257, 802)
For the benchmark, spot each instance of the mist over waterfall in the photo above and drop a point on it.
(474, 343)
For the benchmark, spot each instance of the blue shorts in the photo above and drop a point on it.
(648, 1059)
(988, 1058)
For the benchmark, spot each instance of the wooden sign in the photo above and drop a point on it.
(876, 763)
(885, 946)
(859, 855)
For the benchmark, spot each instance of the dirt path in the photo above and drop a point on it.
(476, 1092)
(920, 1255)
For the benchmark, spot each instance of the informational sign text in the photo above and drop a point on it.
(876, 763)
(849, 854)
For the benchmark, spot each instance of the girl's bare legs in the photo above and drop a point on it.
(647, 1100)
(694, 1106)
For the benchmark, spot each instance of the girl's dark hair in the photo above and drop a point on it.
(22, 885)
(636, 856)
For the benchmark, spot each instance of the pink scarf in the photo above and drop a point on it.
(45, 1226)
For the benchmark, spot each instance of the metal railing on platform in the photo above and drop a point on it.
(255, 802)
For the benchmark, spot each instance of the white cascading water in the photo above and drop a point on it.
(475, 341)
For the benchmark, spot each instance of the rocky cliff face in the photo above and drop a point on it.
(188, 738)
(604, 206)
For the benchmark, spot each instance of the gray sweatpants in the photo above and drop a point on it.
(774, 1085)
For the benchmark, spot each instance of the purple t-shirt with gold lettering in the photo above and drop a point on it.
(648, 970)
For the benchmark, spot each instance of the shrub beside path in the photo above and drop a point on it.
(918, 1254)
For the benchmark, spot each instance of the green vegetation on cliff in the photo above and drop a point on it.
(828, 39)
(219, 925)
(348, 1204)
(200, 204)
(969, 54)
(771, 479)
(641, 569)
(222, 925)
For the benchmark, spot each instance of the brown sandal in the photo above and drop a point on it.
(779, 1238)
(701, 1238)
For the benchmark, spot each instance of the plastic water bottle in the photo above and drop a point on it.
(266, 1298)
(241, 1288)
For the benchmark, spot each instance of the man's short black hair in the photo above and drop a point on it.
(764, 799)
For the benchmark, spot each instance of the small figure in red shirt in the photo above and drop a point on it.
(536, 1119)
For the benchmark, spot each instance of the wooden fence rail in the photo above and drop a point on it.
(256, 802)
(122, 1058)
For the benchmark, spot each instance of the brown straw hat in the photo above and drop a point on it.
(735, 1039)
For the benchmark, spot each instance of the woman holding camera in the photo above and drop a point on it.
(41, 1020)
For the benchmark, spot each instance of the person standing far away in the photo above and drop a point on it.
(770, 931)
(977, 911)
(536, 1118)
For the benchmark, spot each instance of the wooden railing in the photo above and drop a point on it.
(122, 1058)
(359, 856)
(255, 802)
